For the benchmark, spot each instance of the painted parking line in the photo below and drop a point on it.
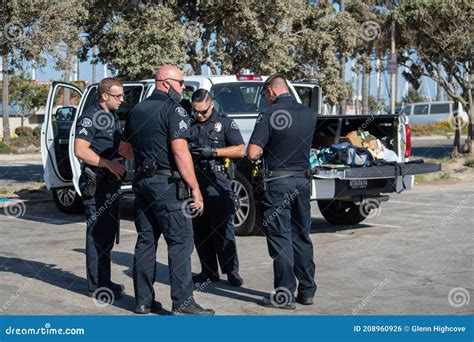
(432, 204)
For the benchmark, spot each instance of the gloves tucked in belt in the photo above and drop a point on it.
(204, 152)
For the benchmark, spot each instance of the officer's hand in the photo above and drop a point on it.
(204, 151)
(116, 168)
(198, 202)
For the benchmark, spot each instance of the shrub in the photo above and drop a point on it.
(24, 132)
(36, 132)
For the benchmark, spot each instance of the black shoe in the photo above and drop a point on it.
(304, 300)
(97, 294)
(192, 310)
(268, 303)
(143, 309)
(235, 279)
(116, 287)
(203, 278)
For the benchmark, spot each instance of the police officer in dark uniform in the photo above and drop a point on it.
(282, 136)
(214, 137)
(158, 130)
(98, 144)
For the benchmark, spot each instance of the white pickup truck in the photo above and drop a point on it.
(342, 194)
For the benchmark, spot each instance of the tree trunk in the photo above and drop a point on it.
(471, 114)
(67, 77)
(94, 64)
(6, 118)
(457, 134)
(365, 88)
(379, 86)
(438, 88)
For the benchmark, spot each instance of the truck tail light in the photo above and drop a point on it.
(407, 140)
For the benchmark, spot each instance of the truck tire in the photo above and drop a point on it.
(245, 208)
(67, 200)
(342, 212)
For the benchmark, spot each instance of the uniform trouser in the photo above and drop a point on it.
(287, 221)
(214, 234)
(102, 221)
(157, 211)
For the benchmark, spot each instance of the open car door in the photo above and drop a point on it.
(61, 109)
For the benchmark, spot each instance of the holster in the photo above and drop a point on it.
(90, 182)
(183, 192)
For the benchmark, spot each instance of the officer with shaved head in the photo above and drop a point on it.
(166, 193)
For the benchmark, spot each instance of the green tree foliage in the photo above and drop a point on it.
(29, 95)
(135, 39)
(413, 96)
(30, 29)
(435, 39)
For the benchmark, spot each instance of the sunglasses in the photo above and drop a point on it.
(181, 82)
(202, 112)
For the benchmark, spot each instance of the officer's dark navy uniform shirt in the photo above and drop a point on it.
(217, 131)
(152, 125)
(285, 132)
(101, 129)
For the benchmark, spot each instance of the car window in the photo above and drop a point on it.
(406, 110)
(131, 98)
(305, 95)
(239, 97)
(439, 108)
(420, 110)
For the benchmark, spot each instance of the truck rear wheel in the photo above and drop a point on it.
(245, 208)
(342, 212)
(67, 200)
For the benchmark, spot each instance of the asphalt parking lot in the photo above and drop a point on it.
(413, 257)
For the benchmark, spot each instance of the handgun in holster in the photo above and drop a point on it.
(90, 181)
(149, 168)
(183, 192)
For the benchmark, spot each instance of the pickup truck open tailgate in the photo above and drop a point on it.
(377, 172)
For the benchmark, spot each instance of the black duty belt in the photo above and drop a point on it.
(282, 174)
(163, 173)
(209, 168)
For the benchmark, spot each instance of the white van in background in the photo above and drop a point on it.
(422, 113)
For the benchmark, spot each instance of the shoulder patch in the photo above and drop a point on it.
(83, 131)
(86, 122)
(259, 117)
(181, 112)
(234, 125)
(183, 126)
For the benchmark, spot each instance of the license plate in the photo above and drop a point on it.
(358, 183)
